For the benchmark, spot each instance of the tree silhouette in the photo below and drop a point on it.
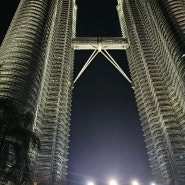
(16, 140)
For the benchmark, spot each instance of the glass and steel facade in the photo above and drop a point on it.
(36, 71)
(53, 114)
(156, 34)
(22, 54)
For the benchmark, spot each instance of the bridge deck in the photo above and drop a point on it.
(92, 43)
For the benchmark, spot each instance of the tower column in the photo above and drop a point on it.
(21, 54)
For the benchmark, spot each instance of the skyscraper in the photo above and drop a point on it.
(37, 66)
(156, 57)
(53, 113)
(36, 71)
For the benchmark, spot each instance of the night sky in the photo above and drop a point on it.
(106, 138)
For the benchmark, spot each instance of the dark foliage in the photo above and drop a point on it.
(16, 140)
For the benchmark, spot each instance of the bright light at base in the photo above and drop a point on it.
(135, 183)
(90, 183)
(153, 183)
(112, 182)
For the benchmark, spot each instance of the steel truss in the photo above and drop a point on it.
(100, 45)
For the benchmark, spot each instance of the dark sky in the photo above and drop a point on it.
(106, 139)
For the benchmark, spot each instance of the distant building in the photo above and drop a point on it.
(36, 69)
(156, 56)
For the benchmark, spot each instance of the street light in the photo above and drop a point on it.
(153, 183)
(113, 182)
(90, 183)
(135, 183)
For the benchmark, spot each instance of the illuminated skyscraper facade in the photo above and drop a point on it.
(53, 113)
(36, 71)
(156, 56)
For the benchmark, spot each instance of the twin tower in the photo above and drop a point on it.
(36, 71)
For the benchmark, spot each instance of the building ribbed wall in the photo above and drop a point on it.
(22, 54)
(36, 71)
(121, 17)
(170, 61)
(53, 114)
(156, 63)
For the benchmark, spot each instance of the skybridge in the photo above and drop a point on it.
(100, 45)
(107, 43)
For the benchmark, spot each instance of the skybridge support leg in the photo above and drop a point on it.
(114, 63)
(95, 52)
